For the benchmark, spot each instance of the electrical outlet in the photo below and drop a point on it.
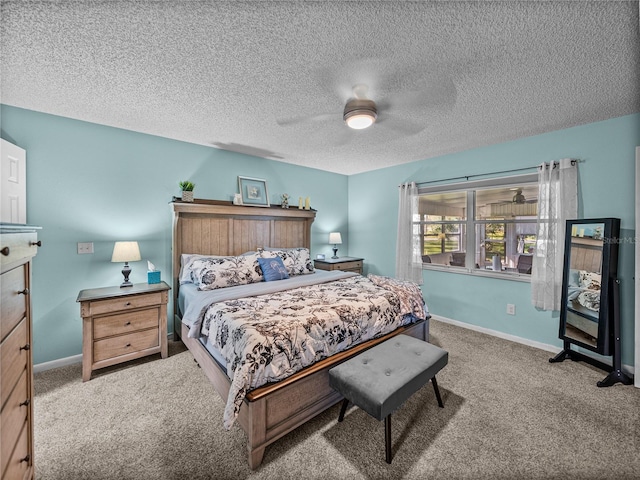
(511, 309)
(86, 247)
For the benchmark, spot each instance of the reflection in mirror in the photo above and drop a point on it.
(584, 284)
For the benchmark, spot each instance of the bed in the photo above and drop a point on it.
(270, 410)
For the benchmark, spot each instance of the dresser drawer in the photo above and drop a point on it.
(13, 305)
(124, 344)
(99, 307)
(125, 322)
(13, 359)
(16, 246)
(13, 417)
(21, 460)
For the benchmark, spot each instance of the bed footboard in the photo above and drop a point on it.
(271, 411)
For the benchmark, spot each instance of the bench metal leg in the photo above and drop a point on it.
(437, 390)
(343, 409)
(387, 438)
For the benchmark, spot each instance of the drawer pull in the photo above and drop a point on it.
(25, 459)
(24, 292)
(37, 244)
(127, 345)
(25, 403)
(128, 304)
(5, 251)
(127, 324)
(26, 348)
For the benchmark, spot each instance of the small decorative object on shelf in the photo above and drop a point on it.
(307, 203)
(187, 190)
(300, 203)
(285, 200)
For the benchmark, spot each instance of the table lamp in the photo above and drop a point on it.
(336, 239)
(126, 252)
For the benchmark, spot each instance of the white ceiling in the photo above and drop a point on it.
(247, 76)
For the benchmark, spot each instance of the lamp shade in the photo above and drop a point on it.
(126, 252)
(335, 238)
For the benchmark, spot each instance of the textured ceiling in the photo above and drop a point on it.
(271, 78)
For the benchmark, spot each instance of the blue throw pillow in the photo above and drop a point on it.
(273, 269)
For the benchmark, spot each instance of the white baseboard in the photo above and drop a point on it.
(61, 362)
(524, 341)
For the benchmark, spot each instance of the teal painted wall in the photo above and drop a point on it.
(92, 183)
(606, 189)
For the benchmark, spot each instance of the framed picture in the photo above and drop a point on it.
(253, 191)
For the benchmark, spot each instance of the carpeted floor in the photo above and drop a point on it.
(509, 414)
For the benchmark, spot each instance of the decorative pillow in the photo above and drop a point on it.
(273, 269)
(211, 273)
(187, 259)
(590, 280)
(297, 261)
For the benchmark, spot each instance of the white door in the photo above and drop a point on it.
(13, 183)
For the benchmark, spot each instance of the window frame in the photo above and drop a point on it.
(471, 223)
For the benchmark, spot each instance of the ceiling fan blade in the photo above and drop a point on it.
(440, 93)
(398, 124)
(301, 120)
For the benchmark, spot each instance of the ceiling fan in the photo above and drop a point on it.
(393, 111)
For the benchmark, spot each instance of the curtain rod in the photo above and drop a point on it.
(467, 177)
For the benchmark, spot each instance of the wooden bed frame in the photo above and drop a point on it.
(221, 228)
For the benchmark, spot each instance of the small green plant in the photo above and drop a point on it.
(187, 186)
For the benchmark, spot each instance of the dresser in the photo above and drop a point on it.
(346, 264)
(18, 245)
(122, 323)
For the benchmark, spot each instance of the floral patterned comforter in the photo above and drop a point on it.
(267, 338)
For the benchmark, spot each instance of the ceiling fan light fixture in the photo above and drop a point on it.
(360, 113)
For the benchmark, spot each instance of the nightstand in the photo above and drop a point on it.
(122, 323)
(346, 264)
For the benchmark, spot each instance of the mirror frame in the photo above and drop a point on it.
(609, 271)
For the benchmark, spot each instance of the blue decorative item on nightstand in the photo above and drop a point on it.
(153, 277)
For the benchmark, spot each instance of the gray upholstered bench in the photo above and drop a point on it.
(380, 379)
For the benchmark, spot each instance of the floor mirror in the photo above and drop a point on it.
(589, 315)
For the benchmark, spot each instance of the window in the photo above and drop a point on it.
(484, 226)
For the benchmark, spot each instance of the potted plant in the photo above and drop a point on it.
(187, 190)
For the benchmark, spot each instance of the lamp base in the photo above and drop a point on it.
(126, 271)
(335, 253)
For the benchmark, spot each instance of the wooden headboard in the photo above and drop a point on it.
(586, 254)
(210, 227)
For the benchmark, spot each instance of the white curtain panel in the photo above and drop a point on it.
(408, 258)
(557, 203)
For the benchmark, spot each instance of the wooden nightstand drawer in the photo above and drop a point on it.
(125, 323)
(98, 307)
(14, 356)
(125, 344)
(350, 266)
(13, 305)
